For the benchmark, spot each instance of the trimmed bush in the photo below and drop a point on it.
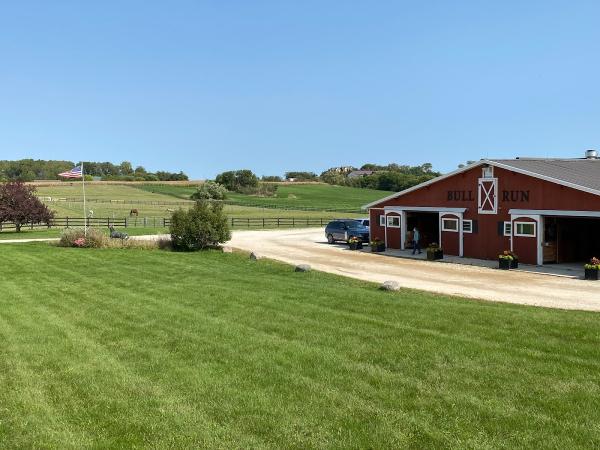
(76, 237)
(203, 226)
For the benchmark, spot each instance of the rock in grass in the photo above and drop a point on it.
(302, 268)
(254, 256)
(227, 250)
(390, 286)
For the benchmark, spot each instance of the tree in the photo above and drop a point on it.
(19, 205)
(271, 178)
(140, 171)
(126, 168)
(238, 180)
(210, 191)
(302, 176)
(203, 226)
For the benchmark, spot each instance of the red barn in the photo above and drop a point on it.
(545, 210)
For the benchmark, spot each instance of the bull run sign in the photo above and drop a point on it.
(507, 196)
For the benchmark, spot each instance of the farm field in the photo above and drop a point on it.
(160, 200)
(126, 348)
(314, 196)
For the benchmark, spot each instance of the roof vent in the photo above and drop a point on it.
(591, 154)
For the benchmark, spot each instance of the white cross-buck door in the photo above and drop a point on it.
(487, 196)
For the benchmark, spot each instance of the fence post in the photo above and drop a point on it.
(263, 222)
(67, 221)
(293, 223)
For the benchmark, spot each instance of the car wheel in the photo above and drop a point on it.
(330, 239)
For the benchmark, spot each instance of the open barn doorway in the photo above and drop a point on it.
(428, 224)
(571, 239)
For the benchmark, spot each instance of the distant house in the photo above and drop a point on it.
(360, 173)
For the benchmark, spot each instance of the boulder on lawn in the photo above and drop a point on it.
(302, 268)
(227, 250)
(254, 256)
(390, 286)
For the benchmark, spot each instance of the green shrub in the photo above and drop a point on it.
(235, 180)
(203, 226)
(261, 190)
(76, 237)
(210, 191)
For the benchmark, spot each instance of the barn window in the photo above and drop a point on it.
(393, 221)
(382, 220)
(507, 228)
(467, 226)
(487, 172)
(525, 229)
(450, 225)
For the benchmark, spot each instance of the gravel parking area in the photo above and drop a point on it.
(308, 246)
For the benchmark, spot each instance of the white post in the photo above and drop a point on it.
(403, 230)
(84, 208)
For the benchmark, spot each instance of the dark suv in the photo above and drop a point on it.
(344, 229)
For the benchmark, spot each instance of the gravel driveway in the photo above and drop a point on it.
(308, 246)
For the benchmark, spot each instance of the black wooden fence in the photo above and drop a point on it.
(161, 222)
(257, 204)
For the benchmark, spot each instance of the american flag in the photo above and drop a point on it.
(75, 172)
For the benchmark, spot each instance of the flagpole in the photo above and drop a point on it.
(84, 208)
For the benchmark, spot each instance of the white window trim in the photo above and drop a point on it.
(516, 229)
(444, 219)
(509, 231)
(486, 169)
(391, 225)
(382, 220)
(470, 222)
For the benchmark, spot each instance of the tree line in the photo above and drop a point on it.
(30, 170)
(390, 177)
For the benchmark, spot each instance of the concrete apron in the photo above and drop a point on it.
(571, 270)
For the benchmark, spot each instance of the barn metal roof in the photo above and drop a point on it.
(581, 172)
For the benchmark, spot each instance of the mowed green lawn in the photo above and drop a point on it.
(147, 348)
(44, 233)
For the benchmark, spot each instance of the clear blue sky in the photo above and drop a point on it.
(207, 86)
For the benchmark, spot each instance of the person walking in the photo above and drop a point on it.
(416, 239)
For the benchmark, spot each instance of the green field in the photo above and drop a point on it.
(299, 201)
(313, 196)
(147, 348)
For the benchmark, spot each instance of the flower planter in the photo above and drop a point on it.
(514, 264)
(378, 248)
(355, 245)
(432, 255)
(591, 274)
(504, 264)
